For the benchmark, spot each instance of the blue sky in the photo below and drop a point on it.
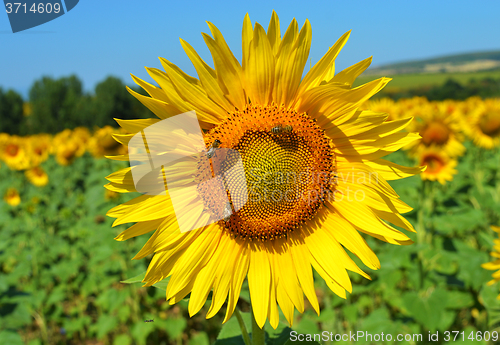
(111, 37)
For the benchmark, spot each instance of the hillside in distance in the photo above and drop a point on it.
(460, 63)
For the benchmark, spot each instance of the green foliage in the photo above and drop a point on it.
(57, 104)
(112, 100)
(450, 86)
(60, 268)
(11, 112)
(64, 280)
(401, 82)
(54, 103)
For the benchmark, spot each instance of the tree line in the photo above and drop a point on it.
(56, 104)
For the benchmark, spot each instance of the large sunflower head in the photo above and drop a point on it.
(483, 124)
(440, 167)
(312, 165)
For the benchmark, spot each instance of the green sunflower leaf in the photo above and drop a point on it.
(137, 279)
(230, 333)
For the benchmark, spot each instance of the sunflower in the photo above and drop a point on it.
(102, 143)
(384, 105)
(110, 195)
(284, 127)
(12, 197)
(70, 144)
(13, 152)
(439, 126)
(440, 167)
(37, 176)
(83, 135)
(495, 265)
(483, 124)
(39, 148)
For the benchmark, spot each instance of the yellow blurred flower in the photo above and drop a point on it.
(27, 110)
(384, 105)
(69, 144)
(110, 194)
(440, 167)
(82, 134)
(12, 197)
(37, 176)
(439, 125)
(495, 265)
(103, 144)
(483, 124)
(13, 152)
(39, 148)
(66, 153)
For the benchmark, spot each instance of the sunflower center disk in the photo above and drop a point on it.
(490, 125)
(435, 133)
(434, 163)
(12, 150)
(288, 165)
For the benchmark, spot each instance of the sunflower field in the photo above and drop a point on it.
(219, 202)
(64, 279)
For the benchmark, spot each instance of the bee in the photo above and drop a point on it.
(227, 211)
(280, 129)
(213, 147)
(276, 129)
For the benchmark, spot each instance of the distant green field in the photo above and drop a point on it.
(406, 81)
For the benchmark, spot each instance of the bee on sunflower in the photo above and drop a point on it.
(323, 133)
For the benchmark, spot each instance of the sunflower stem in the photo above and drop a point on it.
(244, 332)
(258, 334)
(423, 235)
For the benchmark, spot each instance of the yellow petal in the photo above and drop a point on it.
(259, 283)
(259, 71)
(208, 78)
(274, 33)
(317, 74)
